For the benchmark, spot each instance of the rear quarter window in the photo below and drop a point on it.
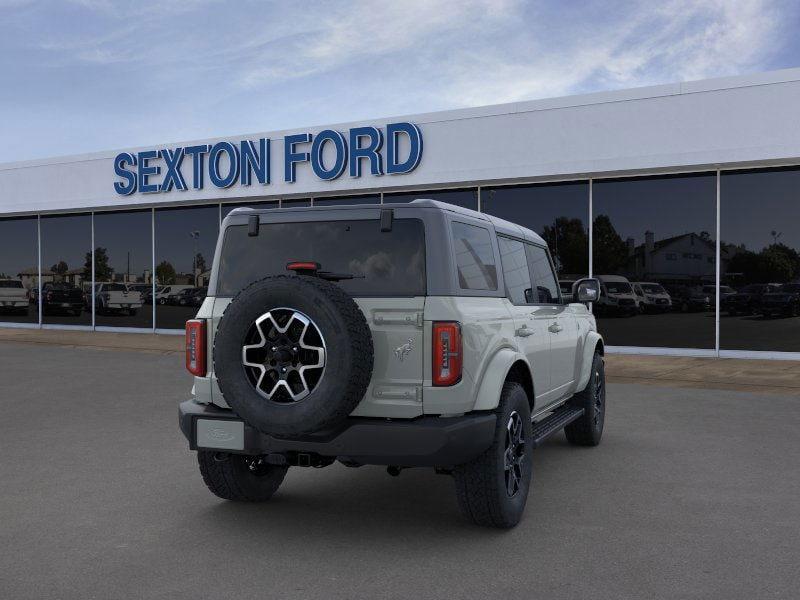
(388, 263)
(474, 257)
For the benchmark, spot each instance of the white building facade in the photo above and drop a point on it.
(611, 180)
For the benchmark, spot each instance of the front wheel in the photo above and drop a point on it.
(588, 429)
(492, 489)
(239, 477)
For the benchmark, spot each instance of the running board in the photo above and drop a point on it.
(556, 421)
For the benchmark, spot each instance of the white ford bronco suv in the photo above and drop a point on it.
(404, 335)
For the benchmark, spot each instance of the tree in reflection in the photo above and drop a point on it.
(777, 263)
(60, 268)
(165, 273)
(610, 251)
(569, 243)
(102, 270)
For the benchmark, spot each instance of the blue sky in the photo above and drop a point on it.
(86, 75)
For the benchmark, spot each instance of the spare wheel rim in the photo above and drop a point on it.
(284, 355)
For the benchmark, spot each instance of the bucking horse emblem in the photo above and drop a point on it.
(402, 351)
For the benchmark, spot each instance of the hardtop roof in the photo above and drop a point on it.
(500, 225)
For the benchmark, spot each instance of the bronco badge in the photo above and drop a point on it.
(402, 351)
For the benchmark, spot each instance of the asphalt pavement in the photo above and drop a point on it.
(692, 494)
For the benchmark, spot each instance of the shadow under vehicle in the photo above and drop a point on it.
(616, 296)
(60, 297)
(13, 296)
(651, 297)
(690, 299)
(747, 301)
(785, 302)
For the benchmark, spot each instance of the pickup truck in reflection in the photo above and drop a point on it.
(747, 301)
(61, 297)
(116, 298)
(784, 302)
(13, 296)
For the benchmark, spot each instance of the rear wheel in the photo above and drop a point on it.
(588, 429)
(492, 489)
(240, 477)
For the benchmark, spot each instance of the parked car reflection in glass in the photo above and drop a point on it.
(616, 296)
(116, 298)
(14, 298)
(651, 297)
(690, 299)
(61, 298)
(747, 301)
(783, 302)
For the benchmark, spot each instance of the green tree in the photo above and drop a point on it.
(102, 270)
(165, 273)
(60, 268)
(569, 242)
(610, 250)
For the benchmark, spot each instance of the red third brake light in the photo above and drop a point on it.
(196, 347)
(447, 354)
(303, 265)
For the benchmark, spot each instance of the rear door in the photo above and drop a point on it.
(558, 319)
(530, 332)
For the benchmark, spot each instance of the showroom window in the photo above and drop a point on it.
(467, 198)
(66, 269)
(123, 267)
(557, 212)
(19, 270)
(760, 260)
(185, 242)
(347, 200)
(658, 232)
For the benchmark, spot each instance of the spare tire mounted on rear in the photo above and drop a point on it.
(293, 355)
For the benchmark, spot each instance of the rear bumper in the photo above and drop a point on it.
(422, 442)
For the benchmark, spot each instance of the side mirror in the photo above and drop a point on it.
(586, 290)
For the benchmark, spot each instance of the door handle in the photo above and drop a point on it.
(523, 331)
(554, 328)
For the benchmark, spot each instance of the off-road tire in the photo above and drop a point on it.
(231, 477)
(587, 430)
(349, 355)
(481, 483)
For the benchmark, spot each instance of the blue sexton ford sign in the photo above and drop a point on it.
(329, 152)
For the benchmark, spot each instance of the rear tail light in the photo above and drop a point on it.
(447, 353)
(196, 347)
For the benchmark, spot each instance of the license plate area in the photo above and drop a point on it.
(220, 434)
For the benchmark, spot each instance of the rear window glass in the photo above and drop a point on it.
(474, 257)
(10, 284)
(390, 263)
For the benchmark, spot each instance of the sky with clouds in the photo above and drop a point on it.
(86, 75)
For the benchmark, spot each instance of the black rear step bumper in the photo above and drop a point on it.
(422, 442)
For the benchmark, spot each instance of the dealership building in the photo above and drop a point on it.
(684, 199)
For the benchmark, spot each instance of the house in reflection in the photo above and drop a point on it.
(689, 258)
(29, 277)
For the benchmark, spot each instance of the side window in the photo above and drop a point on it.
(515, 271)
(474, 257)
(543, 276)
